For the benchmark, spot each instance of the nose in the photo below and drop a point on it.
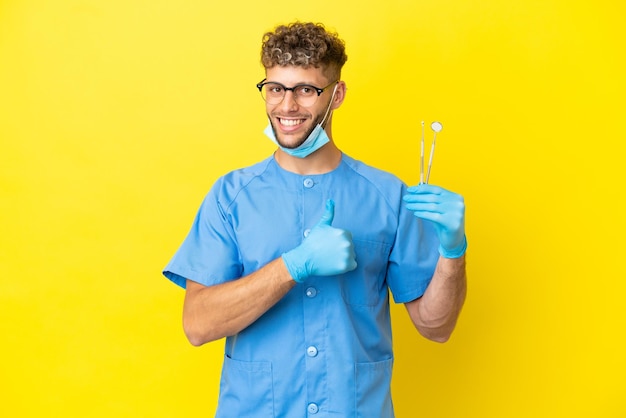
(289, 102)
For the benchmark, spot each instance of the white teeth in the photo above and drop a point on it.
(290, 122)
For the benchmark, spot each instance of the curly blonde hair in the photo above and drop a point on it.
(304, 45)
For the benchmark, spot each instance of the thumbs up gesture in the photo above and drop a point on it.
(325, 252)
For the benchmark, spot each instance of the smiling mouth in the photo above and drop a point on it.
(290, 122)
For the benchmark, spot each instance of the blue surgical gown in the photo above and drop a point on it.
(325, 349)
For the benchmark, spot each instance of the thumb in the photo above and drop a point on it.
(327, 218)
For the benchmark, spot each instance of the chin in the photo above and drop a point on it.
(292, 143)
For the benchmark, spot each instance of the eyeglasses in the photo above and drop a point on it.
(304, 94)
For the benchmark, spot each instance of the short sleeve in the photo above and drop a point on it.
(413, 257)
(209, 254)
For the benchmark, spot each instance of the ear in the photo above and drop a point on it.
(340, 94)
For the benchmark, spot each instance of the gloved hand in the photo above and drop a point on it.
(446, 210)
(325, 252)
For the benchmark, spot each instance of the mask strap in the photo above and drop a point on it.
(329, 106)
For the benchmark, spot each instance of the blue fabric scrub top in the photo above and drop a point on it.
(325, 349)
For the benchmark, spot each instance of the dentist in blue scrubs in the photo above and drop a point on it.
(294, 259)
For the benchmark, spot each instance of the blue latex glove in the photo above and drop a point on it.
(325, 252)
(446, 210)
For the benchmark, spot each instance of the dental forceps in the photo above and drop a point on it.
(436, 128)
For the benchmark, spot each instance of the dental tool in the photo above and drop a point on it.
(422, 157)
(436, 127)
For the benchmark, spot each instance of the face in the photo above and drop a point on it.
(291, 122)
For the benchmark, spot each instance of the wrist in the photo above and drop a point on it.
(455, 252)
(295, 269)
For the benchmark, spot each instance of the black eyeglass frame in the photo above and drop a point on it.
(319, 91)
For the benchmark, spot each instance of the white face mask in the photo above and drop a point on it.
(316, 139)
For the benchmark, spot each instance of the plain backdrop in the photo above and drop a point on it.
(116, 117)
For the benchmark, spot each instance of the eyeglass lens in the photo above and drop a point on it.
(274, 93)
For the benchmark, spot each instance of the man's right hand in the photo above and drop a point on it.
(325, 252)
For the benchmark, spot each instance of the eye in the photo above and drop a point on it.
(305, 91)
(274, 88)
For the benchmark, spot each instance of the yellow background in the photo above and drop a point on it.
(117, 116)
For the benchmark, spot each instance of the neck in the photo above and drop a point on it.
(322, 161)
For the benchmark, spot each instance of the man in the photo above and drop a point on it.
(292, 259)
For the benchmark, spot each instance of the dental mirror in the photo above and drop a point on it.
(436, 127)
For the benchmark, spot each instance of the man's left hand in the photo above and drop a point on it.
(446, 210)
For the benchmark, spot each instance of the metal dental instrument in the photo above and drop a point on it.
(422, 157)
(436, 127)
